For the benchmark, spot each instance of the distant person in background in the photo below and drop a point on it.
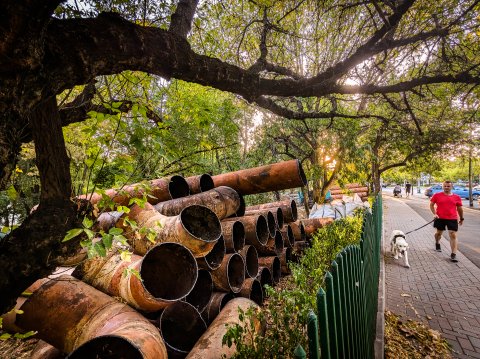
(408, 188)
(447, 213)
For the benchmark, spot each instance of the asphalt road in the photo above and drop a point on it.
(468, 233)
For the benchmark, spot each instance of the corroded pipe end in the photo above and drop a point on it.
(169, 271)
(202, 291)
(217, 301)
(206, 182)
(238, 236)
(273, 263)
(241, 210)
(252, 289)
(236, 272)
(264, 276)
(271, 223)
(301, 173)
(293, 205)
(278, 242)
(107, 346)
(181, 325)
(280, 219)
(261, 230)
(285, 258)
(202, 224)
(214, 258)
(200, 183)
(178, 187)
(250, 256)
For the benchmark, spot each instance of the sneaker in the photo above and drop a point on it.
(453, 257)
(437, 247)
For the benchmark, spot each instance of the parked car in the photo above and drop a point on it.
(462, 191)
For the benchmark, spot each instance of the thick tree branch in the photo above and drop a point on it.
(181, 23)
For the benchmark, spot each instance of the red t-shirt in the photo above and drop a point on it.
(446, 205)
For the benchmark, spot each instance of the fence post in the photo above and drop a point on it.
(312, 327)
(343, 305)
(299, 353)
(322, 311)
(332, 315)
(341, 349)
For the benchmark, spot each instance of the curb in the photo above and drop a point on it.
(379, 345)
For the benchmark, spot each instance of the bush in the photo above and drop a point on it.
(285, 313)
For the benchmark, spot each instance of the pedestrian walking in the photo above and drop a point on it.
(408, 188)
(447, 213)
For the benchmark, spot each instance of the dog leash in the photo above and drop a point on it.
(420, 227)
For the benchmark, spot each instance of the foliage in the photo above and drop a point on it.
(286, 309)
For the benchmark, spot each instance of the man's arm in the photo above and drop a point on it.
(460, 214)
(432, 209)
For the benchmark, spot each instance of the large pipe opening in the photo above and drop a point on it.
(280, 219)
(214, 258)
(107, 347)
(278, 243)
(276, 270)
(250, 255)
(201, 223)
(238, 236)
(181, 325)
(261, 230)
(301, 173)
(265, 277)
(178, 187)
(202, 291)
(256, 292)
(293, 205)
(169, 271)
(236, 272)
(216, 303)
(206, 182)
(271, 223)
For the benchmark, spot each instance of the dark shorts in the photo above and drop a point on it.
(451, 224)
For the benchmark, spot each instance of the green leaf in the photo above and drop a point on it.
(89, 233)
(87, 222)
(100, 249)
(25, 335)
(115, 231)
(121, 239)
(72, 234)
(12, 193)
(126, 256)
(123, 209)
(5, 336)
(107, 240)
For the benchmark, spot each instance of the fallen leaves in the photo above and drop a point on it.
(412, 339)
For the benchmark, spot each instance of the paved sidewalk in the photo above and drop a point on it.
(434, 290)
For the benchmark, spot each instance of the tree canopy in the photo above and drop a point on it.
(298, 59)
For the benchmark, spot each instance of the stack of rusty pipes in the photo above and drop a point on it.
(349, 190)
(206, 240)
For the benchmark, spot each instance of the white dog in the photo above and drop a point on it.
(399, 246)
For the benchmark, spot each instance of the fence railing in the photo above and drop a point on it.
(347, 307)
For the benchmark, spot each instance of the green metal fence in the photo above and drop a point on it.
(347, 307)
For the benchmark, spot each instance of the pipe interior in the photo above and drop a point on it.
(271, 223)
(280, 219)
(303, 234)
(169, 271)
(201, 222)
(107, 347)
(202, 291)
(278, 242)
(293, 205)
(236, 272)
(206, 183)
(276, 270)
(238, 235)
(265, 277)
(256, 293)
(291, 236)
(181, 325)
(262, 230)
(301, 173)
(251, 261)
(241, 210)
(288, 254)
(215, 256)
(178, 187)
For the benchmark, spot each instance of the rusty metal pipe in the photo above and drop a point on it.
(217, 301)
(200, 183)
(180, 325)
(223, 201)
(77, 318)
(298, 231)
(252, 289)
(274, 177)
(210, 343)
(348, 190)
(312, 224)
(43, 350)
(274, 265)
(234, 235)
(231, 273)
(161, 189)
(289, 209)
(202, 291)
(168, 273)
(288, 237)
(264, 276)
(250, 257)
(284, 259)
(256, 229)
(214, 258)
(271, 221)
(196, 227)
(273, 247)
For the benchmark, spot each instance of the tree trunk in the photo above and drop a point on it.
(34, 249)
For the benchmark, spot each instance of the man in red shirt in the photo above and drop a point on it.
(447, 212)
